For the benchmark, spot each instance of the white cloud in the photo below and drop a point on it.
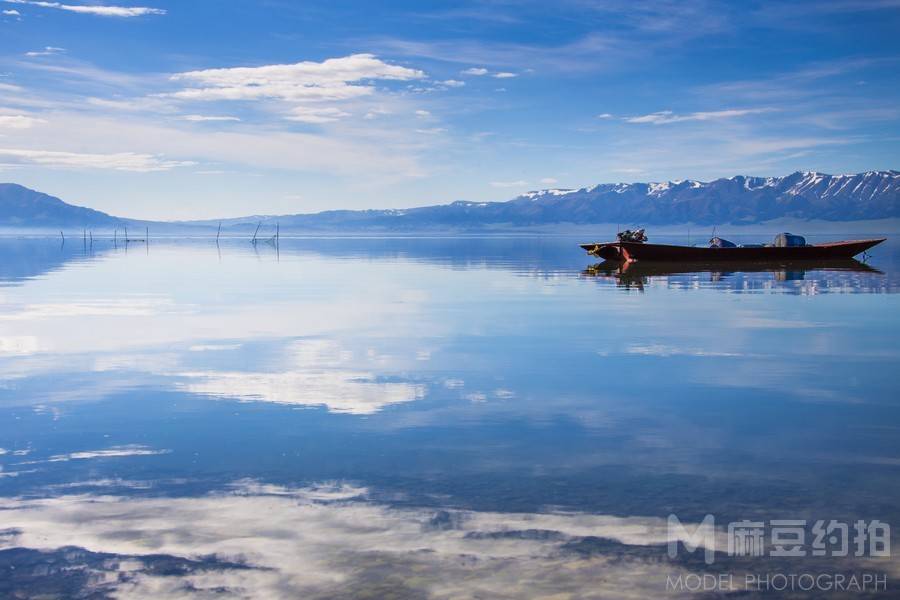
(453, 83)
(333, 79)
(475, 71)
(376, 112)
(121, 161)
(505, 75)
(202, 118)
(605, 116)
(423, 113)
(213, 347)
(131, 104)
(12, 13)
(246, 147)
(306, 114)
(432, 130)
(549, 181)
(509, 184)
(47, 51)
(667, 116)
(19, 345)
(103, 11)
(18, 122)
(666, 351)
(158, 131)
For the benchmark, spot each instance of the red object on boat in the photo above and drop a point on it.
(634, 251)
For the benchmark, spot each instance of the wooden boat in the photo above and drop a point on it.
(628, 251)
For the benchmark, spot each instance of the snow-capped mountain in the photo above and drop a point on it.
(734, 200)
(739, 199)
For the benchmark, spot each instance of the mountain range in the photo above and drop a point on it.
(21, 207)
(737, 200)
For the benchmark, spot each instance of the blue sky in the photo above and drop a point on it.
(209, 108)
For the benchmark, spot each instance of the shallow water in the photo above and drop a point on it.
(444, 416)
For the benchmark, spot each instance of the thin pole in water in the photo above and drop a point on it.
(255, 232)
(218, 231)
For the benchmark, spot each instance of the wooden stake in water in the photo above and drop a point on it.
(255, 232)
(218, 231)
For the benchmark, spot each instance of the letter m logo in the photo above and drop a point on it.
(703, 535)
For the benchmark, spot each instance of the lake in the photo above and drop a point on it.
(437, 417)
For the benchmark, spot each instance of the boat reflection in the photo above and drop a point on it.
(734, 275)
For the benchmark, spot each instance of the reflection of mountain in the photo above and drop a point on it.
(23, 259)
(833, 275)
(513, 253)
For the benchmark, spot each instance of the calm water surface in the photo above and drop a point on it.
(426, 417)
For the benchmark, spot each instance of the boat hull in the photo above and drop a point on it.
(634, 251)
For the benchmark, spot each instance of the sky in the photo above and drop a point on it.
(220, 108)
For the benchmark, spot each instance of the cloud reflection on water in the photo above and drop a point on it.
(357, 393)
(328, 540)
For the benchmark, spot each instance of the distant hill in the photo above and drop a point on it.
(738, 200)
(26, 208)
(735, 200)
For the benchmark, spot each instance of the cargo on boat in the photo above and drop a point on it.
(632, 246)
